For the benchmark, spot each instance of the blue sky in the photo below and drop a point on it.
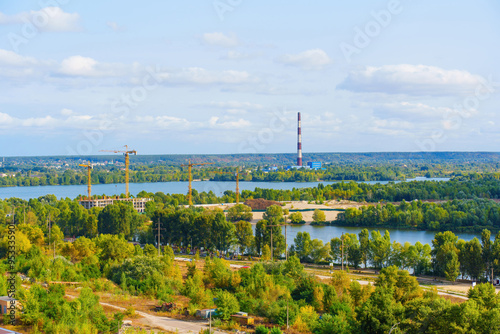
(229, 76)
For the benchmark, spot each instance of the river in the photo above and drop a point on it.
(324, 233)
(180, 187)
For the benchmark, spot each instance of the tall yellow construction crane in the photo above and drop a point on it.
(237, 183)
(127, 163)
(190, 165)
(89, 181)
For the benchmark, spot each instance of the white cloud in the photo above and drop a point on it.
(216, 123)
(202, 76)
(219, 39)
(409, 110)
(69, 121)
(235, 55)
(79, 66)
(314, 59)
(411, 80)
(88, 67)
(236, 105)
(46, 19)
(389, 127)
(46, 121)
(13, 59)
(115, 26)
(67, 112)
(167, 122)
(5, 119)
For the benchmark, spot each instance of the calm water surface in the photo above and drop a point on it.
(181, 187)
(326, 233)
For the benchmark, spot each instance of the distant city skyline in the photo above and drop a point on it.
(228, 77)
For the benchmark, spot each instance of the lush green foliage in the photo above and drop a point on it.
(456, 215)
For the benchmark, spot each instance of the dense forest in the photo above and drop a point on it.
(34, 171)
(105, 261)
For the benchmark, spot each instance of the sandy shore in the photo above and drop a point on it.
(301, 205)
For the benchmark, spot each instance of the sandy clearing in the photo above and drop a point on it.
(302, 205)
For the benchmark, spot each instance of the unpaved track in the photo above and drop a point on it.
(166, 323)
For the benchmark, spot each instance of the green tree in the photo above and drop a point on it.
(442, 244)
(118, 218)
(452, 266)
(471, 253)
(296, 217)
(113, 247)
(263, 234)
(319, 216)
(486, 250)
(223, 232)
(239, 212)
(274, 215)
(302, 246)
(340, 323)
(364, 245)
(266, 253)
(227, 305)
(485, 295)
(244, 236)
(319, 252)
(380, 248)
(380, 312)
(150, 250)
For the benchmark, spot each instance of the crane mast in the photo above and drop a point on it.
(127, 163)
(190, 166)
(89, 180)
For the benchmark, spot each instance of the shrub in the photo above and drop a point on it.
(261, 330)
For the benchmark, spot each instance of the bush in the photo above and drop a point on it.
(227, 305)
(261, 330)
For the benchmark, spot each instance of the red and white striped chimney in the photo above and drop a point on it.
(299, 142)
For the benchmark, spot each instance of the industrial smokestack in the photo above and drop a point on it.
(299, 142)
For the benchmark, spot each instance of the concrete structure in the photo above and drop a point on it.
(299, 141)
(139, 203)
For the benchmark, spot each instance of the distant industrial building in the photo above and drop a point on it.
(138, 203)
(314, 164)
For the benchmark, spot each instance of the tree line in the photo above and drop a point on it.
(36, 172)
(190, 228)
(456, 215)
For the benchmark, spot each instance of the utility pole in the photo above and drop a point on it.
(286, 259)
(286, 312)
(272, 257)
(50, 227)
(271, 226)
(158, 236)
(342, 237)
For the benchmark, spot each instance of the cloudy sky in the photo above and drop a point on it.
(229, 76)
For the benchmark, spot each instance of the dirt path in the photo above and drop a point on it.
(166, 323)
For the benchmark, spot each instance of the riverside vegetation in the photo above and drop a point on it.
(35, 171)
(103, 259)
